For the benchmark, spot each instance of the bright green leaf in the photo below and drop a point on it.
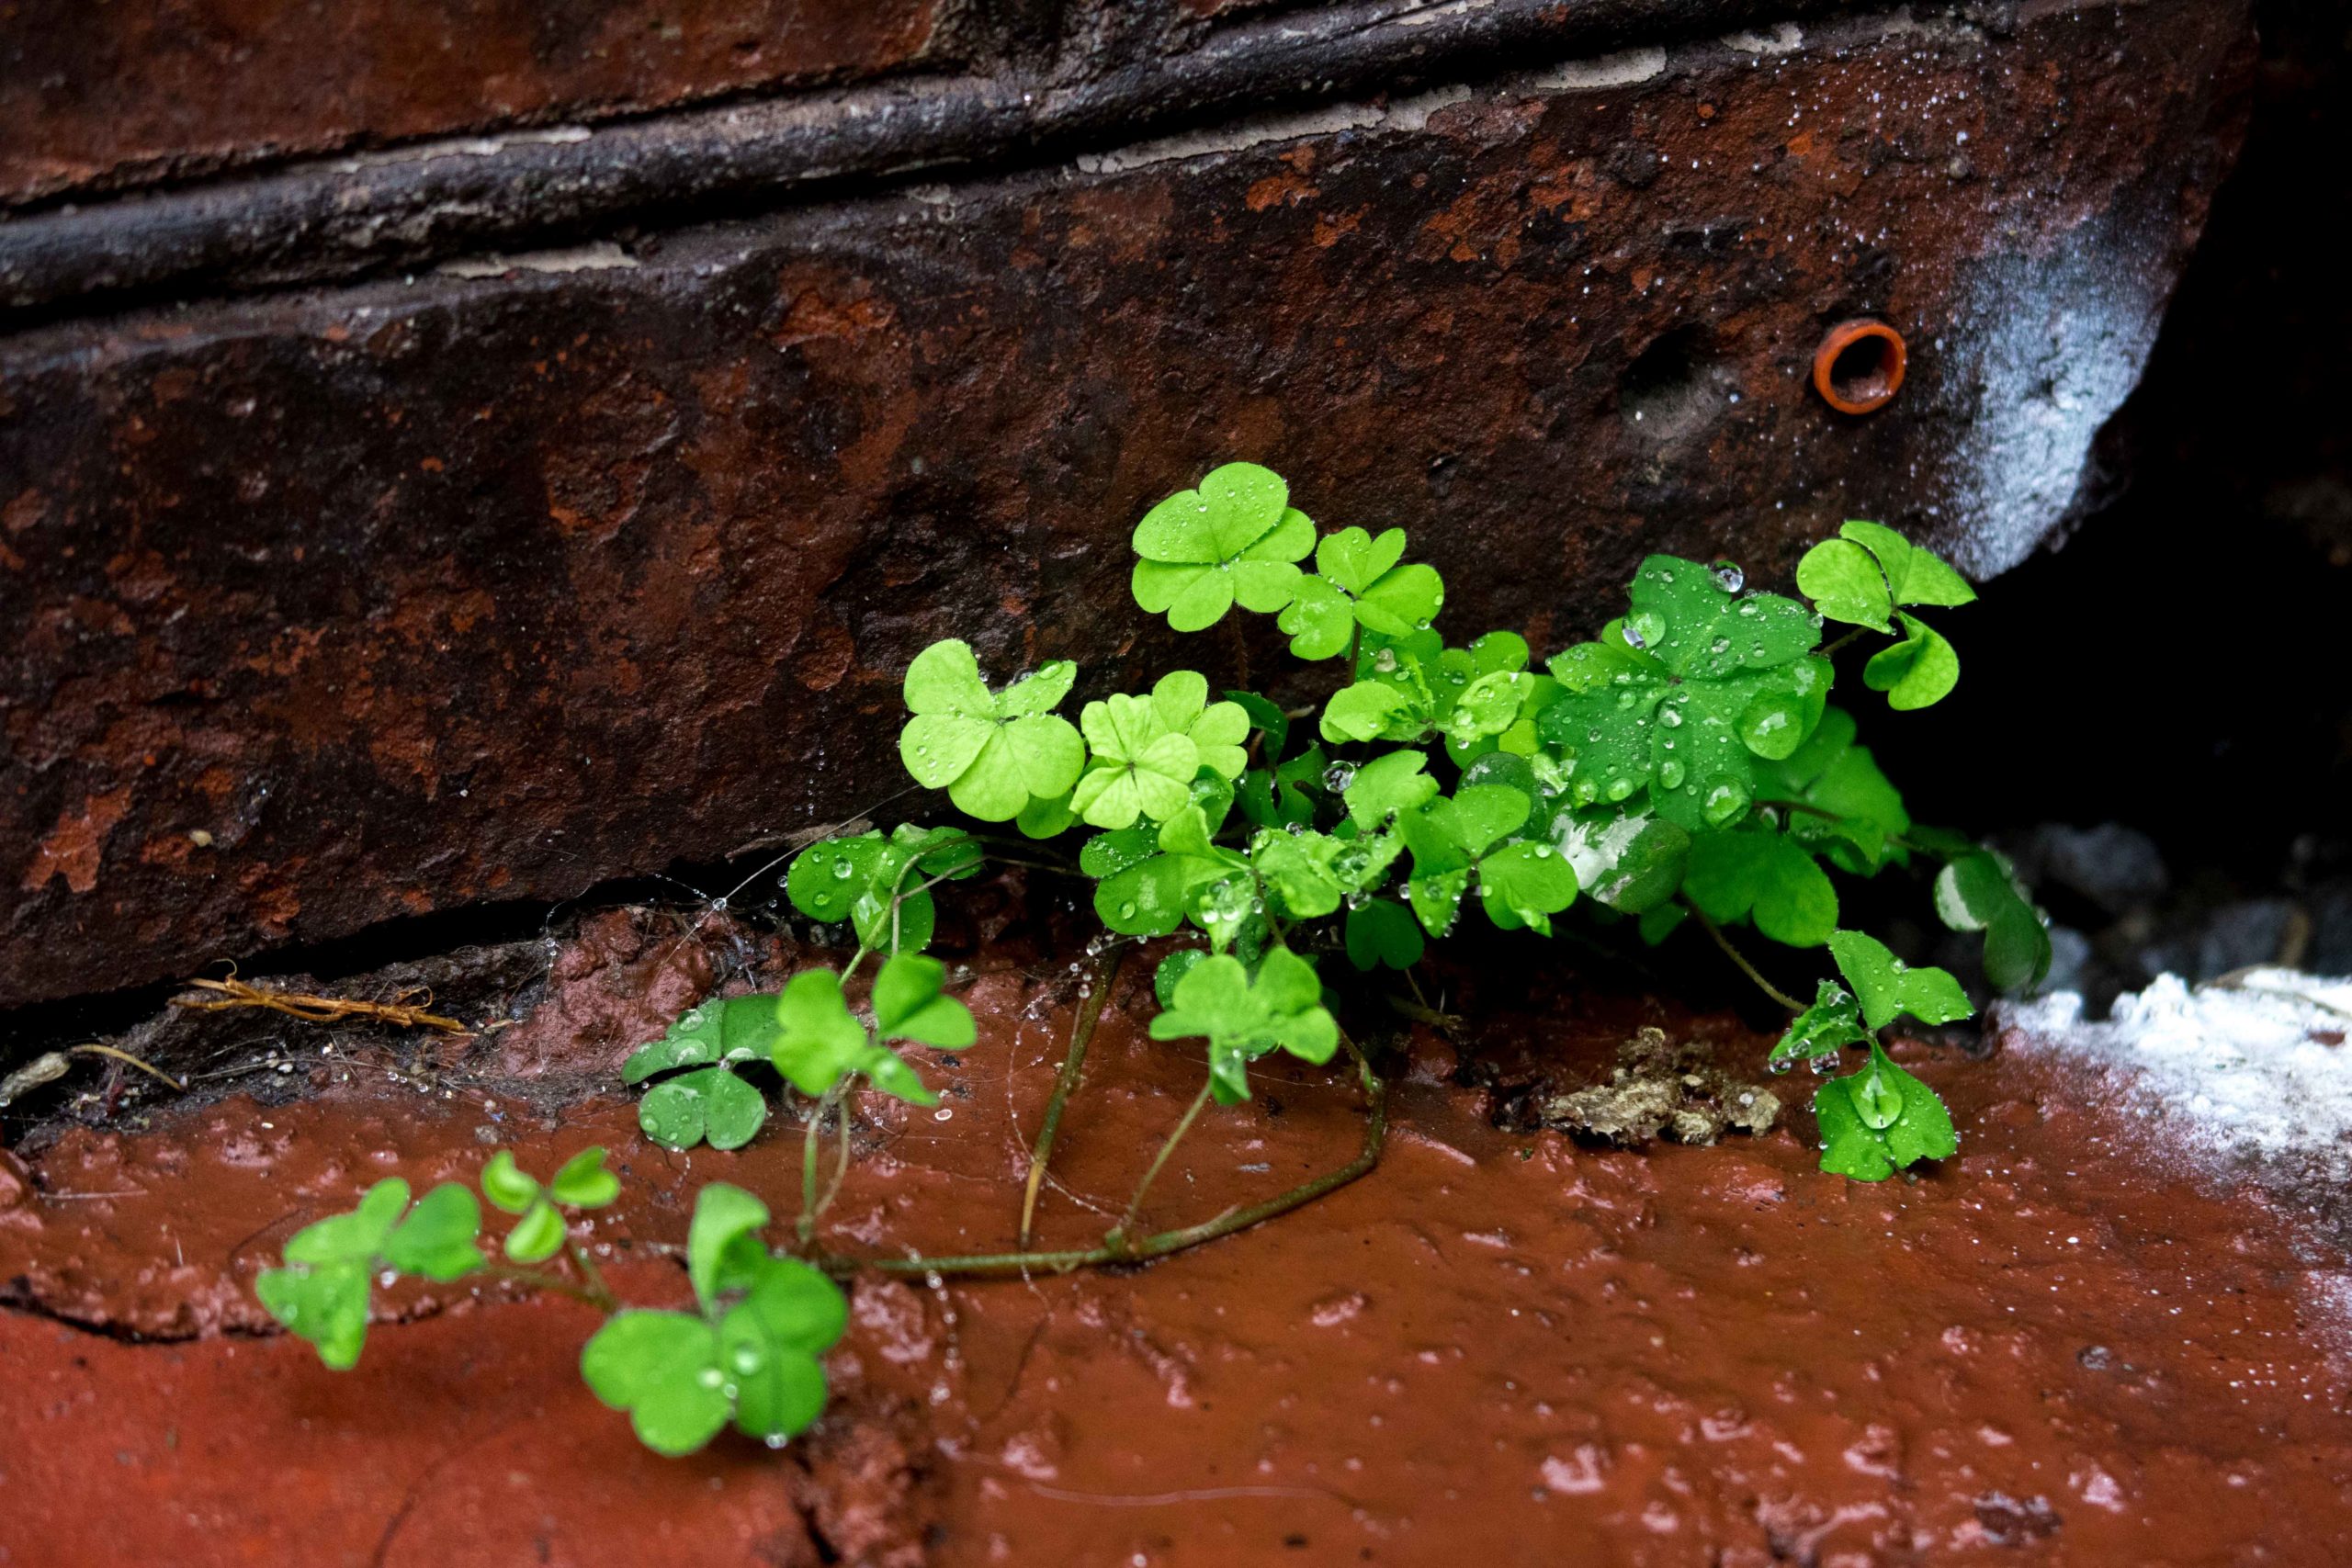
(1916, 672)
(908, 1005)
(1235, 538)
(1877, 1121)
(1392, 782)
(1844, 583)
(818, 1039)
(436, 1239)
(537, 1237)
(1888, 987)
(1831, 1024)
(1731, 876)
(583, 1182)
(506, 1186)
(663, 1368)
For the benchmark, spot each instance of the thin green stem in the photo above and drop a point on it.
(1746, 968)
(598, 1290)
(1162, 1245)
(1831, 650)
(1066, 1082)
(814, 1130)
(1807, 807)
(595, 1295)
(1135, 1204)
(840, 1159)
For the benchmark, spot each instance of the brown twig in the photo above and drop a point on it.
(235, 993)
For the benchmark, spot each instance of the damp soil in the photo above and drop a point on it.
(1504, 1346)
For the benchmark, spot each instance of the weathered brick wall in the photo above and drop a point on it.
(484, 581)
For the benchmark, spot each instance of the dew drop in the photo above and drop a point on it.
(1632, 637)
(1729, 577)
(1339, 776)
(1670, 773)
(1725, 799)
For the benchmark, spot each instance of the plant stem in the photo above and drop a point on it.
(1375, 1134)
(1831, 650)
(599, 1291)
(841, 1161)
(594, 1295)
(815, 1128)
(1746, 968)
(1807, 807)
(1066, 1082)
(1117, 1238)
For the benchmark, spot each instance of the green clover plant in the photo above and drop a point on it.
(1685, 766)
(750, 1354)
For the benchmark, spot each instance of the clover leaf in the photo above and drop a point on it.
(750, 1354)
(1762, 875)
(1684, 694)
(1244, 1016)
(1235, 538)
(1383, 932)
(721, 1251)
(1215, 729)
(322, 1292)
(1139, 890)
(582, 1183)
(909, 1003)
(1833, 1023)
(1976, 891)
(1311, 874)
(1916, 672)
(994, 752)
(724, 1032)
(817, 1037)
(663, 1368)
(1877, 1121)
(820, 1043)
(1391, 783)
(1521, 883)
(710, 1103)
(1360, 585)
(877, 884)
(1887, 987)
(1859, 576)
(1142, 766)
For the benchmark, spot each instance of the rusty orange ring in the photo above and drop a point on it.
(1867, 392)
